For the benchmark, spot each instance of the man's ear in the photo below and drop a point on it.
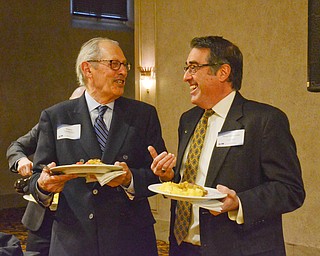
(224, 72)
(86, 69)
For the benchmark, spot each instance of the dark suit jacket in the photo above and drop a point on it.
(10, 245)
(95, 220)
(265, 172)
(25, 146)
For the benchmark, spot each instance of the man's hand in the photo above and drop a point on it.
(25, 167)
(53, 183)
(124, 179)
(162, 164)
(230, 203)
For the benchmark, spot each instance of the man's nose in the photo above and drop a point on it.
(186, 76)
(123, 70)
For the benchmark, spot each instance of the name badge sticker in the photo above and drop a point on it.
(71, 132)
(230, 138)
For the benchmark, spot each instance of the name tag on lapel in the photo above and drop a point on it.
(230, 138)
(71, 132)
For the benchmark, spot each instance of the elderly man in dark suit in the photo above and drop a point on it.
(247, 153)
(37, 219)
(91, 219)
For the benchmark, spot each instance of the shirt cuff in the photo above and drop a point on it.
(130, 190)
(14, 167)
(45, 199)
(237, 215)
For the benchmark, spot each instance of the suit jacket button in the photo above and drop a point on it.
(125, 157)
(95, 191)
(90, 216)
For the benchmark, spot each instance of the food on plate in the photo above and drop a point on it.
(91, 161)
(183, 189)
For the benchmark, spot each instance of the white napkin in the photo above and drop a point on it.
(212, 205)
(29, 198)
(53, 205)
(103, 178)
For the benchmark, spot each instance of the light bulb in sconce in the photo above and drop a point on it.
(146, 77)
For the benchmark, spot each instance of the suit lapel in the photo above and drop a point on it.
(219, 153)
(185, 136)
(88, 138)
(118, 128)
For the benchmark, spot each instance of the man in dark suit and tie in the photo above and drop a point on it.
(247, 153)
(114, 219)
(37, 219)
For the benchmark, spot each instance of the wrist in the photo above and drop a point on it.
(41, 190)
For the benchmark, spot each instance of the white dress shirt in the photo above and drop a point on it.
(215, 123)
(92, 107)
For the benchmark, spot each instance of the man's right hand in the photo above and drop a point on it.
(162, 164)
(25, 167)
(53, 183)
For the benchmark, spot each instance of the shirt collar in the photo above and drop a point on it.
(223, 106)
(93, 104)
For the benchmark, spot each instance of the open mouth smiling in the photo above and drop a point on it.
(120, 81)
(193, 87)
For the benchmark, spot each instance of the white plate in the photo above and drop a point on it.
(85, 169)
(212, 194)
(212, 205)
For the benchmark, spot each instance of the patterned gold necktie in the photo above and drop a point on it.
(183, 210)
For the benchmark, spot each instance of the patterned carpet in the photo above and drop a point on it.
(10, 223)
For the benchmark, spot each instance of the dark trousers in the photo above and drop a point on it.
(39, 241)
(185, 249)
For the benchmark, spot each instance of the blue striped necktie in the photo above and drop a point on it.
(101, 128)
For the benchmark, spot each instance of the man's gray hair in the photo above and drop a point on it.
(90, 50)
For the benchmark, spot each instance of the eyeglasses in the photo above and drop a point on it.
(113, 64)
(193, 68)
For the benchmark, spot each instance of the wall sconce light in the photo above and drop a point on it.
(146, 77)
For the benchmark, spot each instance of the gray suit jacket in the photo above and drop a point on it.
(95, 220)
(265, 172)
(25, 146)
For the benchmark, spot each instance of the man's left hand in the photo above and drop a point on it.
(122, 180)
(230, 202)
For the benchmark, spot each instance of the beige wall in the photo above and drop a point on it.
(38, 50)
(273, 38)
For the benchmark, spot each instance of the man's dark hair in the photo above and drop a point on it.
(222, 52)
